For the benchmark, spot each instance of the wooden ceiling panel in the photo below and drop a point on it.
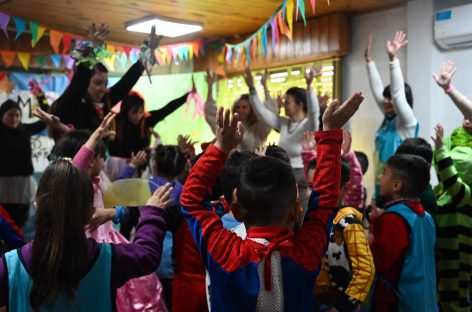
(220, 18)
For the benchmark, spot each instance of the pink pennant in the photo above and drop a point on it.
(313, 5)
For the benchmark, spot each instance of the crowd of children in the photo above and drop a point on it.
(240, 226)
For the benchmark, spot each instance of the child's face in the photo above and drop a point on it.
(96, 166)
(387, 182)
(135, 115)
(12, 118)
(388, 106)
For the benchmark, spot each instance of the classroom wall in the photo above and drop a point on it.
(420, 58)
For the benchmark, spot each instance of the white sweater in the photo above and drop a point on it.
(406, 123)
(255, 135)
(291, 133)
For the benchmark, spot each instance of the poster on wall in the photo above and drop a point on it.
(53, 86)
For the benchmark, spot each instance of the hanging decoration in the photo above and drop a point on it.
(165, 55)
(280, 22)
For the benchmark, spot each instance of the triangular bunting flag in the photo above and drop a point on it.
(66, 41)
(41, 59)
(8, 58)
(69, 61)
(4, 20)
(248, 54)
(301, 6)
(283, 27)
(190, 51)
(127, 50)
(123, 61)
(313, 6)
(290, 6)
(110, 62)
(264, 39)
(37, 31)
(24, 59)
(55, 38)
(20, 25)
(158, 56)
(56, 59)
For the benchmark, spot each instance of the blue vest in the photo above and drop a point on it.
(93, 291)
(387, 139)
(417, 284)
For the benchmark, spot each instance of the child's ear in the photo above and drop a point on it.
(397, 186)
(235, 207)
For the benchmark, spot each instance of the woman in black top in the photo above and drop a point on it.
(133, 131)
(17, 185)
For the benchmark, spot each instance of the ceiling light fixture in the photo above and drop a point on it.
(165, 27)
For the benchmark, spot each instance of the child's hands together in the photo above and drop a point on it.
(438, 137)
(336, 115)
(229, 132)
(161, 197)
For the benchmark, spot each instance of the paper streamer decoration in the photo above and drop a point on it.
(4, 20)
(56, 59)
(20, 25)
(24, 59)
(8, 58)
(55, 38)
(128, 192)
(198, 105)
(66, 41)
(313, 6)
(301, 7)
(290, 15)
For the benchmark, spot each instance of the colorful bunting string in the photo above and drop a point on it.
(4, 20)
(20, 25)
(280, 22)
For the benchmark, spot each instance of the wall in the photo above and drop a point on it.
(419, 59)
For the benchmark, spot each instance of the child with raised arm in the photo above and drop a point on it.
(62, 270)
(273, 268)
(395, 102)
(454, 218)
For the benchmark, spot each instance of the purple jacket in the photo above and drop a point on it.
(142, 257)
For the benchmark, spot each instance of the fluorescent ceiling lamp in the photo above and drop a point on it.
(164, 27)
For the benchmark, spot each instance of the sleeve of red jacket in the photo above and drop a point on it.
(212, 239)
(388, 250)
(311, 239)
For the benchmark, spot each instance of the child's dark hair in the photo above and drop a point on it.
(7, 105)
(299, 95)
(276, 151)
(412, 170)
(130, 102)
(267, 190)
(363, 161)
(418, 147)
(70, 144)
(345, 170)
(170, 161)
(408, 94)
(60, 255)
(231, 173)
(100, 68)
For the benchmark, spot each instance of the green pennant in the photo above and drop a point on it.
(41, 59)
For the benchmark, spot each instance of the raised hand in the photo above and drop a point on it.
(210, 78)
(336, 115)
(447, 72)
(368, 49)
(102, 130)
(100, 216)
(280, 100)
(229, 131)
(139, 159)
(154, 40)
(396, 44)
(438, 137)
(311, 73)
(161, 197)
(46, 117)
(308, 141)
(323, 101)
(98, 34)
(186, 145)
(347, 140)
(264, 79)
(248, 77)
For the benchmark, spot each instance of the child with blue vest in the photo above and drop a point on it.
(62, 270)
(403, 239)
(395, 102)
(273, 268)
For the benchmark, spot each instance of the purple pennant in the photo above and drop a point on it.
(69, 61)
(4, 20)
(20, 25)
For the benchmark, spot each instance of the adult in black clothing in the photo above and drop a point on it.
(88, 99)
(17, 185)
(133, 131)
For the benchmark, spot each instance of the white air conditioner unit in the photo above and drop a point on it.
(453, 27)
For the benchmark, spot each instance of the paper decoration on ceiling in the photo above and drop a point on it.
(280, 22)
(6, 85)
